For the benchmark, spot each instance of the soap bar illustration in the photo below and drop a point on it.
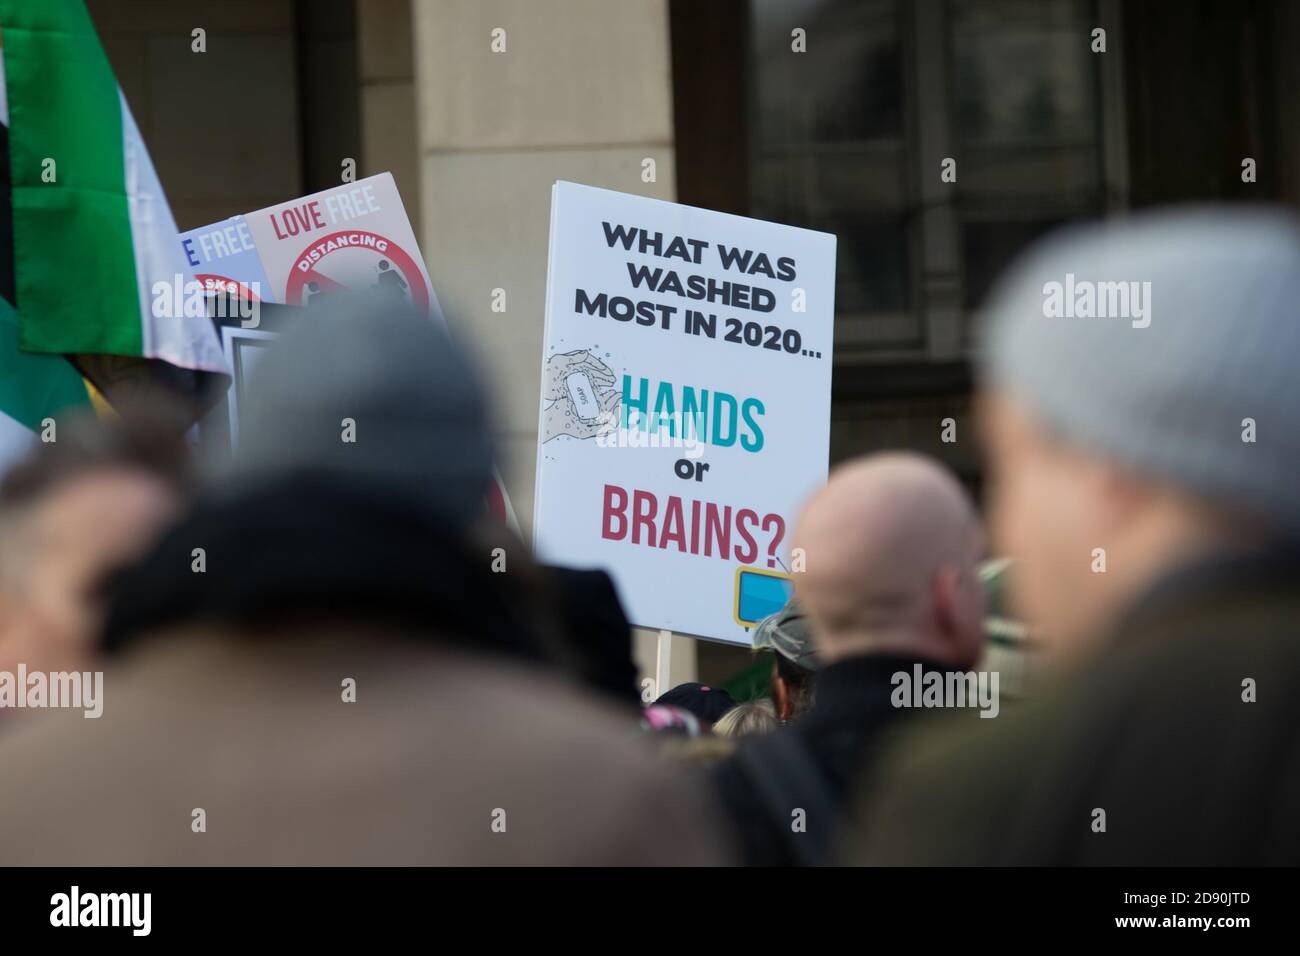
(580, 396)
(584, 397)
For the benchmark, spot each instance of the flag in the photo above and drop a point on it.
(33, 388)
(89, 233)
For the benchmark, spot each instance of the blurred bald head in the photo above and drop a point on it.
(891, 544)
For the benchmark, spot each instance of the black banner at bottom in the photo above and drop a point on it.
(124, 905)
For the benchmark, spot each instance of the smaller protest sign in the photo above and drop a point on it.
(352, 236)
(225, 260)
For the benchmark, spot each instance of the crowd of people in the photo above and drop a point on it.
(326, 651)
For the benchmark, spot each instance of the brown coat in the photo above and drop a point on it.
(1154, 732)
(255, 732)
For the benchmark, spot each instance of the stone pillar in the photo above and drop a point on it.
(386, 71)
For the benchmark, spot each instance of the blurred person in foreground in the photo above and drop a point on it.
(347, 680)
(73, 511)
(597, 631)
(890, 589)
(1143, 474)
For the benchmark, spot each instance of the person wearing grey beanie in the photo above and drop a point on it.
(369, 392)
(1141, 417)
(1141, 407)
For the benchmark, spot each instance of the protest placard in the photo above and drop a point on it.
(356, 235)
(685, 403)
(225, 260)
(352, 236)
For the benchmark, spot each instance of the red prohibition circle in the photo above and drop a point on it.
(299, 276)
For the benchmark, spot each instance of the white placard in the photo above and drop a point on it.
(351, 236)
(685, 406)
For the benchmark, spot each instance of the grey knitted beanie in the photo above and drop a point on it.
(417, 408)
(1165, 342)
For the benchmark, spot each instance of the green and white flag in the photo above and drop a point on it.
(91, 231)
